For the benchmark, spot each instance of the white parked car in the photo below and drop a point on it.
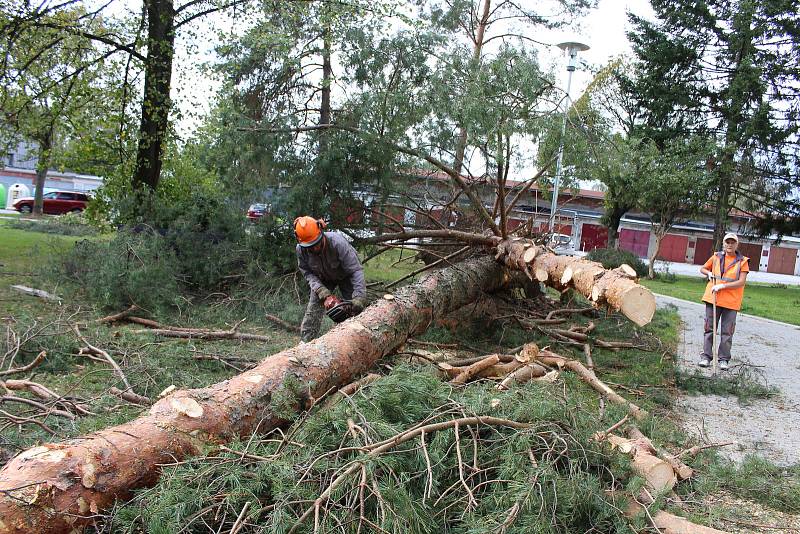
(563, 245)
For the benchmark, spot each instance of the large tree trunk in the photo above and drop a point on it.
(612, 218)
(156, 104)
(616, 289)
(327, 80)
(42, 165)
(80, 477)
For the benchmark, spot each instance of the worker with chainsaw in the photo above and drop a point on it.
(327, 261)
(726, 272)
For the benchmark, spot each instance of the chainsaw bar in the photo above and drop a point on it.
(341, 312)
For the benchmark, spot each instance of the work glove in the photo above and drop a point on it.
(710, 277)
(358, 305)
(323, 293)
(330, 301)
(716, 287)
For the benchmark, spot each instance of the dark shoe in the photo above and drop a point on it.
(723, 365)
(704, 362)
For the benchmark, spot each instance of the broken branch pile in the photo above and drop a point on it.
(78, 478)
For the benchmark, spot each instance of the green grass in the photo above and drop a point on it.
(772, 301)
(390, 266)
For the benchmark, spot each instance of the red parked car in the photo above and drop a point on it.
(55, 203)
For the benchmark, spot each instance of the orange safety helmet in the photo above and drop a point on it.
(308, 230)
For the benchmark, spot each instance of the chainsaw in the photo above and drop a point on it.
(343, 310)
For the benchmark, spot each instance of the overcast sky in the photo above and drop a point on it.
(603, 29)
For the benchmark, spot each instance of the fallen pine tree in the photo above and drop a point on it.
(60, 487)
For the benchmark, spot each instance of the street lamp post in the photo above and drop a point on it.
(572, 48)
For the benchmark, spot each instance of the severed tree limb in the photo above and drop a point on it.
(37, 293)
(35, 363)
(206, 335)
(681, 469)
(474, 369)
(283, 324)
(693, 451)
(117, 316)
(91, 349)
(590, 279)
(522, 375)
(46, 409)
(130, 396)
(669, 523)
(46, 394)
(550, 358)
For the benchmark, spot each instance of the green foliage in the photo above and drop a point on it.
(197, 243)
(553, 472)
(612, 258)
(135, 269)
(723, 73)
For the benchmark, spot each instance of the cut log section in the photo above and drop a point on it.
(615, 288)
(673, 524)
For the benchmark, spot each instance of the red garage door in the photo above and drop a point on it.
(782, 260)
(593, 236)
(703, 250)
(753, 252)
(635, 241)
(673, 248)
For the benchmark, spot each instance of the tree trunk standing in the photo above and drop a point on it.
(42, 164)
(81, 477)
(156, 104)
(659, 235)
(742, 92)
(327, 80)
(612, 218)
(461, 142)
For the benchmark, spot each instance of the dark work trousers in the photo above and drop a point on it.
(726, 322)
(312, 320)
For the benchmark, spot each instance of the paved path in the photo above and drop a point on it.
(765, 427)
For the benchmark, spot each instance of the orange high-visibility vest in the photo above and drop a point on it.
(726, 269)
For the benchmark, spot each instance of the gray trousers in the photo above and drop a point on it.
(312, 320)
(726, 323)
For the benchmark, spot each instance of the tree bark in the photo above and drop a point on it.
(80, 477)
(45, 142)
(157, 84)
(327, 79)
(651, 260)
(612, 218)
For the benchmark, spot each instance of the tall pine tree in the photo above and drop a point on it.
(727, 70)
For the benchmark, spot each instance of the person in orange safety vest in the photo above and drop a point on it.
(727, 273)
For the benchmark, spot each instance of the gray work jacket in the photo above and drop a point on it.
(336, 262)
